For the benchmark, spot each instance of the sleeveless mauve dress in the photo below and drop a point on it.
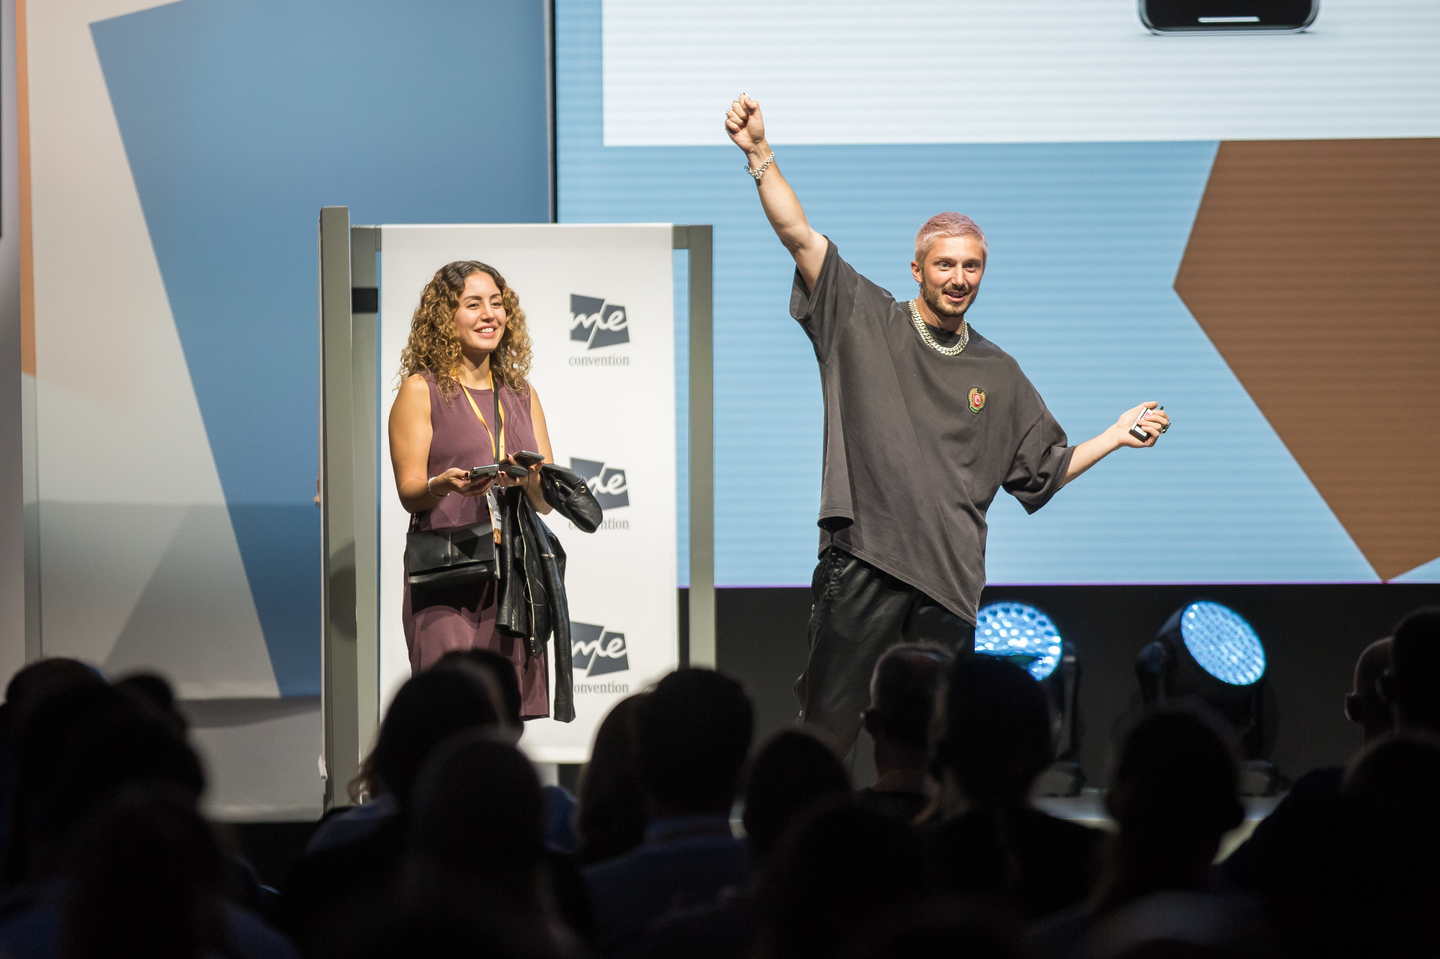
(439, 620)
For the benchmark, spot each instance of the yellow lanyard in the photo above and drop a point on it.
(497, 449)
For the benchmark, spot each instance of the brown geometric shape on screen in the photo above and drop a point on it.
(1314, 268)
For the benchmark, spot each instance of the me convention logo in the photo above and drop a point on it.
(597, 323)
(605, 482)
(597, 651)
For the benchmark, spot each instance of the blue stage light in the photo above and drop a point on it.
(1222, 643)
(1020, 633)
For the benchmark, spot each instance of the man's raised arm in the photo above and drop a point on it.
(747, 128)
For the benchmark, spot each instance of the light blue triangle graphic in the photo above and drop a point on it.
(1424, 573)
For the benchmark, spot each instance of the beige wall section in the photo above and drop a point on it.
(261, 757)
(138, 562)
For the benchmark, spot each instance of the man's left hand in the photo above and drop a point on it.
(1156, 421)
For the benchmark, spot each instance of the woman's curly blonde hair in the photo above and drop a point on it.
(433, 345)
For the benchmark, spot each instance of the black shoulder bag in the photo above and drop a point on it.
(454, 555)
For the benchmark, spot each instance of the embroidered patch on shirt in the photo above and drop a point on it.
(977, 399)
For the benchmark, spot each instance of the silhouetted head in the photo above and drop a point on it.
(31, 685)
(426, 711)
(81, 746)
(1338, 876)
(1177, 777)
(1415, 669)
(793, 771)
(498, 668)
(146, 877)
(1400, 773)
(692, 733)
(611, 817)
(1365, 705)
(996, 730)
(476, 844)
(836, 870)
(478, 812)
(1173, 795)
(902, 693)
(156, 693)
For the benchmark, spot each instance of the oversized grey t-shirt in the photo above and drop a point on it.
(918, 443)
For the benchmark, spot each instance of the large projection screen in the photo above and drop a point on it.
(599, 306)
(1242, 227)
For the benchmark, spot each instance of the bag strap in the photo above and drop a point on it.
(499, 417)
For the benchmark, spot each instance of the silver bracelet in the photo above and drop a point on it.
(759, 171)
(432, 492)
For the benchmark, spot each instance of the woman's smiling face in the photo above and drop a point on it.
(480, 318)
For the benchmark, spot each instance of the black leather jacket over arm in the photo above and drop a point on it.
(531, 561)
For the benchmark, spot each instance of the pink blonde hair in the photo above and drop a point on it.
(946, 224)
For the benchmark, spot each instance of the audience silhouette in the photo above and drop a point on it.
(943, 926)
(1414, 681)
(560, 835)
(1365, 704)
(455, 848)
(476, 853)
(1173, 798)
(105, 828)
(795, 770)
(902, 702)
(149, 878)
(344, 883)
(692, 733)
(838, 869)
(995, 741)
(612, 817)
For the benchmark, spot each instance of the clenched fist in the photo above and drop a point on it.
(746, 126)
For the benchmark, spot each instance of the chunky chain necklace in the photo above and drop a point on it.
(923, 329)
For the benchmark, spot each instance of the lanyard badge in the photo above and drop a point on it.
(497, 449)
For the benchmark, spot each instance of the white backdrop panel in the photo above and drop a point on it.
(607, 382)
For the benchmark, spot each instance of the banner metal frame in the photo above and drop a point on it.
(350, 483)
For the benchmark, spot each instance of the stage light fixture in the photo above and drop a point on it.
(1209, 652)
(1021, 634)
(1223, 644)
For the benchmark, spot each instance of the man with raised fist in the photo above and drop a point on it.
(925, 420)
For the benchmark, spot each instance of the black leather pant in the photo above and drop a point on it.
(857, 612)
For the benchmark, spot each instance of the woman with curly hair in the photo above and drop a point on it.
(467, 343)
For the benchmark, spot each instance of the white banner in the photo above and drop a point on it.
(599, 304)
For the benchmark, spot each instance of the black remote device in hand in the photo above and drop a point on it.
(1135, 429)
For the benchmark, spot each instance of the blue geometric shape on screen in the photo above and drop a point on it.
(240, 120)
(1424, 573)
(278, 546)
(1021, 634)
(1223, 643)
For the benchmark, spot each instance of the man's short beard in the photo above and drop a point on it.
(931, 295)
